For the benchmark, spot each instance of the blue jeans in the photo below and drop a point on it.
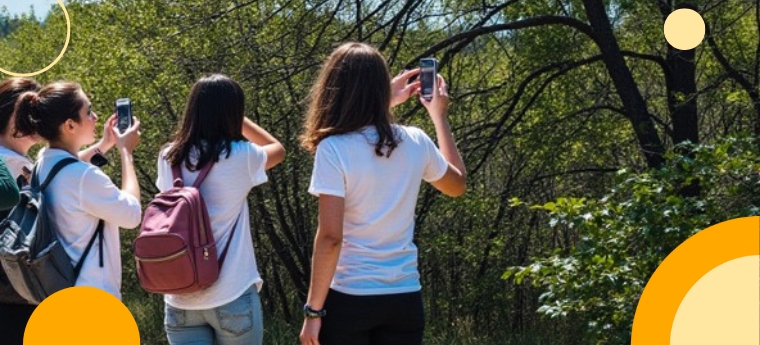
(236, 323)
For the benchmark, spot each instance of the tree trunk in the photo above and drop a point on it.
(633, 102)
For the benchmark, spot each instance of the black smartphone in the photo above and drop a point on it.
(428, 76)
(123, 114)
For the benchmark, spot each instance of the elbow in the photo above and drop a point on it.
(329, 241)
(133, 222)
(459, 188)
(283, 152)
(133, 217)
(458, 191)
(275, 154)
(280, 156)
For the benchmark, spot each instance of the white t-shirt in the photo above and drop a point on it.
(380, 193)
(225, 191)
(77, 198)
(15, 161)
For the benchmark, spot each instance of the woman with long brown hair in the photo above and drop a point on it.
(365, 286)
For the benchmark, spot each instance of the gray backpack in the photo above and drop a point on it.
(34, 261)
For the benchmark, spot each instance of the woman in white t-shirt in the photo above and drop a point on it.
(367, 173)
(14, 310)
(81, 195)
(214, 129)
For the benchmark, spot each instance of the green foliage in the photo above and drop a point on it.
(622, 237)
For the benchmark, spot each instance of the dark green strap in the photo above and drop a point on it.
(98, 233)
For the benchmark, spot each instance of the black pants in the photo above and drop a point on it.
(396, 319)
(13, 319)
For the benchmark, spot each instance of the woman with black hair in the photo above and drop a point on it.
(215, 131)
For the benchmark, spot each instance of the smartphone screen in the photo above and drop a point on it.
(427, 77)
(123, 114)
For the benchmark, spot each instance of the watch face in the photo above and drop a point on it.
(98, 160)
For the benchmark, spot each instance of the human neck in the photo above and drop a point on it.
(18, 145)
(68, 147)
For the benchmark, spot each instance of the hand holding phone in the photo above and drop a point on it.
(402, 87)
(124, 114)
(438, 106)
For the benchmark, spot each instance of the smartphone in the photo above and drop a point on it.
(123, 114)
(428, 77)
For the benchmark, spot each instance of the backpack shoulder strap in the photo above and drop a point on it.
(98, 233)
(232, 235)
(177, 174)
(56, 168)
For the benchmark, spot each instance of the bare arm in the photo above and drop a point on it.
(327, 245)
(454, 181)
(104, 144)
(257, 135)
(126, 142)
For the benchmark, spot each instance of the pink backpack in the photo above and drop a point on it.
(175, 250)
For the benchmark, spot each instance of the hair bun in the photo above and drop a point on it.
(34, 98)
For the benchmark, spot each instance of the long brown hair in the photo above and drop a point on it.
(43, 112)
(213, 120)
(353, 90)
(10, 90)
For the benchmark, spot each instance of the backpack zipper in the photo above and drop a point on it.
(165, 258)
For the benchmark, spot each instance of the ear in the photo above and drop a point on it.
(68, 126)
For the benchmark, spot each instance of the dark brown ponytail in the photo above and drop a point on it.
(27, 117)
(10, 90)
(43, 113)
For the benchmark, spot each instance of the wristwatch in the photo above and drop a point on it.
(313, 314)
(98, 159)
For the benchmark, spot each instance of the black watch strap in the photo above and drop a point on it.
(309, 312)
(98, 159)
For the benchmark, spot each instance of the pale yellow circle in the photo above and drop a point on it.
(65, 45)
(684, 29)
(723, 307)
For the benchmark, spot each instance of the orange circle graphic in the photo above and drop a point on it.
(683, 268)
(84, 316)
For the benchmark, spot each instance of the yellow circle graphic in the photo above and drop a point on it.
(65, 45)
(678, 274)
(84, 316)
(684, 29)
(723, 307)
